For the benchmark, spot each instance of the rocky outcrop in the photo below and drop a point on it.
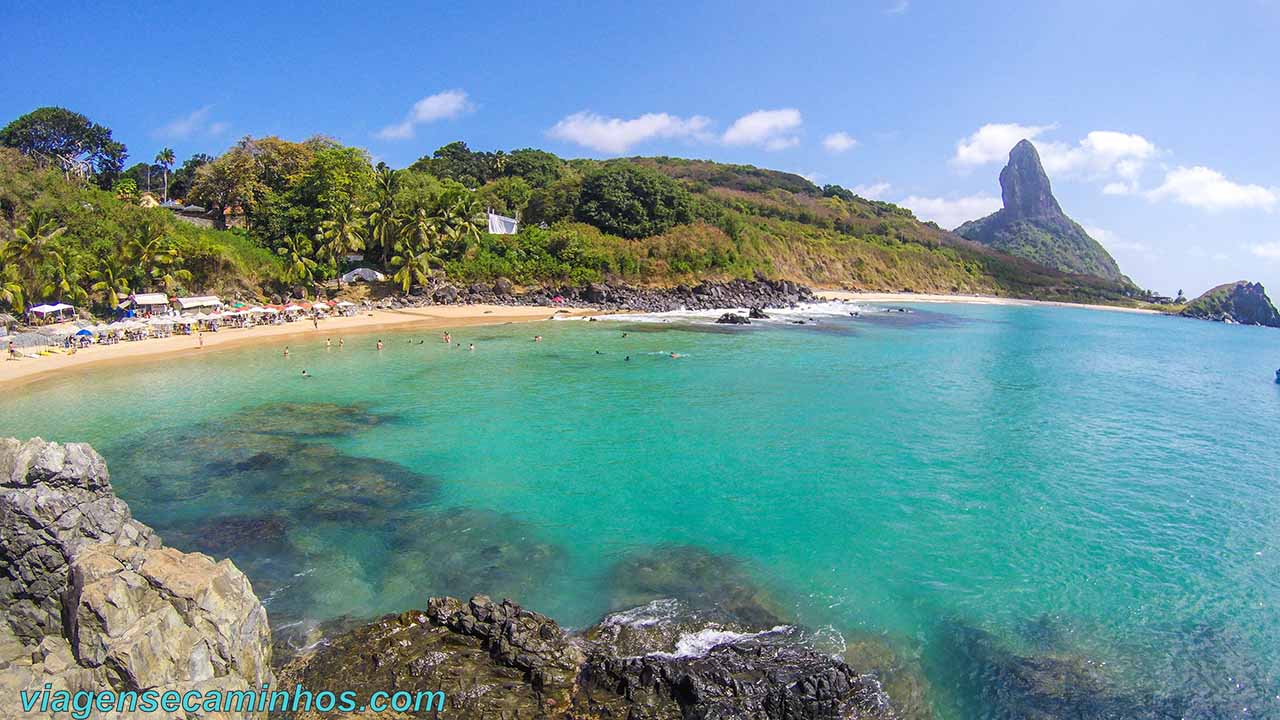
(759, 293)
(1032, 224)
(91, 600)
(731, 318)
(497, 659)
(1240, 302)
(54, 501)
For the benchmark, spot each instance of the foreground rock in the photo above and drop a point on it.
(498, 660)
(92, 602)
(1240, 302)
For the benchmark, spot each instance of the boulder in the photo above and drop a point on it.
(731, 318)
(159, 617)
(55, 500)
(502, 287)
(595, 293)
(445, 295)
(757, 314)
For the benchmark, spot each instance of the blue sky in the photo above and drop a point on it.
(1157, 121)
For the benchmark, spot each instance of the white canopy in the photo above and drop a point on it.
(46, 309)
(366, 274)
(502, 225)
(345, 303)
(159, 321)
(290, 308)
(199, 301)
(150, 299)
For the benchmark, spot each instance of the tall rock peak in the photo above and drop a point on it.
(1024, 186)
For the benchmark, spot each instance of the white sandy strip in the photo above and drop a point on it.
(883, 297)
(14, 373)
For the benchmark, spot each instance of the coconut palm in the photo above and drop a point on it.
(382, 228)
(11, 285)
(342, 233)
(412, 265)
(165, 159)
(63, 280)
(32, 249)
(300, 266)
(110, 280)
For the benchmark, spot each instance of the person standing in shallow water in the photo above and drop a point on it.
(286, 351)
(379, 344)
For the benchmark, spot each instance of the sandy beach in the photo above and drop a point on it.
(15, 373)
(966, 299)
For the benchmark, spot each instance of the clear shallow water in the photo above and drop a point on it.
(1100, 489)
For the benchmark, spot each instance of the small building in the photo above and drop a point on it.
(184, 304)
(365, 274)
(148, 304)
(502, 225)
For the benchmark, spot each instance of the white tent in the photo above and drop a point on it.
(346, 304)
(366, 274)
(199, 301)
(502, 225)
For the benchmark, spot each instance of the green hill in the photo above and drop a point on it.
(300, 208)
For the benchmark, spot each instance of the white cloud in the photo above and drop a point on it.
(1208, 189)
(952, 212)
(1113, 242)
(769, 128)
(441, 106)
(615, 135)
(194, 123)
(1115, 158)
(991, 143)
(1269, 251)
(839, 142)
(874, 191)
(898, 7)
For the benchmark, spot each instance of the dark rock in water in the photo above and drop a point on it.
(1241, 302)
(758, 676)
(713, 584)
(1007, 686)
(757, 314)
(467, 551)
(732, 319)
(1032, 225)
(499, 660)
(231, 534)
(295, 419)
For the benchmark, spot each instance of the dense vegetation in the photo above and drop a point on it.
(300, 211)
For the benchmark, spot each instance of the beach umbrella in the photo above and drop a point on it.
(84, 332)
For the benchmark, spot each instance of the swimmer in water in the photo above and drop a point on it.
(537, 338)
(341, 342)
(306, 374)
(286, 351)
(446, 339)
(627, 359)
(599, 353)
(471, 346)
(379, 344)
(328, 343)
(675, 356)
(624, 334)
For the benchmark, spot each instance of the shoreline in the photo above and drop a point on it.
(18, 373)
(878, 297)
(15, 374)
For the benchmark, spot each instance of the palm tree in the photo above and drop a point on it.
(64, 280)
(413, 265)
(383, 223)
(157, 257)
(460, 216)
(32, 249)
(341, 233)
(11, 285)
(165, 158)
(109, 278)
(300, 266)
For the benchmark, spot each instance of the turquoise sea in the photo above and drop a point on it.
(986, 496)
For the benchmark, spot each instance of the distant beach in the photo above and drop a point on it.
(14, 373)
(967, 299)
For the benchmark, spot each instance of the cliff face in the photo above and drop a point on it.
(1032, 224)
(1239, 302)
(89, 600)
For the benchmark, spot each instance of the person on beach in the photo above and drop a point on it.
(379, 344)
(13, 354)
(316, 322)
(201, 338)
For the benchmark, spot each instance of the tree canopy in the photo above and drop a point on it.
(632, 201)
(69, 138)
